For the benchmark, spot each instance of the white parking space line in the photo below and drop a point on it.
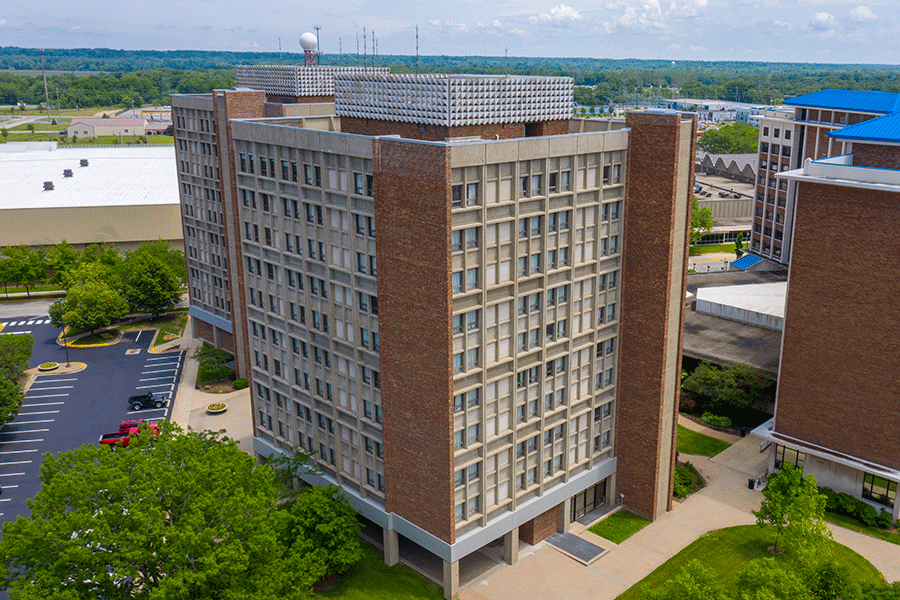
(58, 387)
(158, 371)
(45, 404)
(146, 387)
(42, 381)
(14, 332)
(23, 431)
(10, 486)
(31, 422)
(18, 451)
(162, 358)
(148, 410)
(10, 474)
(45, 412)
(23, 441)
(157, 378)
(6, 499)
(47, 396)
(16, 462)
(30, 322)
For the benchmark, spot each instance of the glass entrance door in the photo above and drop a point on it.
(586, 501)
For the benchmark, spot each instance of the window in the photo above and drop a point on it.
(457, 281)
(535, 263)
(472, 320)
(551, 182)
(458, 362)
(783, 454)
(472, 434)
(880, 490)
(536, 185)
(564, 181)
(471, 279)
(472, 237)
(472, 358)
(456, 240)
(456, 193)
(358, 183)
(471, 194)
(458, 439)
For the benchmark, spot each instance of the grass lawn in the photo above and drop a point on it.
(97, 338)
(61, 125)
(854, 525)
(727, 551)
(619, 526)
(371, 578)
(727, 248)
(37, 288)
(172, 324)
(692, 442)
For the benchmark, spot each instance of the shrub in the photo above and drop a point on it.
(685, 477)
(866, 513)
(884, 519)
(240, 384)
(715, 420)
(687, 403)
(831, 503)
(847, 504)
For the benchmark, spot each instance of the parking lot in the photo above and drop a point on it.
(62, 411)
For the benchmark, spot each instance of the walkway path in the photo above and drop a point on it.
(547, 574)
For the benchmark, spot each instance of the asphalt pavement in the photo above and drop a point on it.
(63, 410)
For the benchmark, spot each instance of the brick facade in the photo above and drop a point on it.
(876, 155)
(541, 527)
(839, 354)
(660, 177)
(435, 133)
(412, 215)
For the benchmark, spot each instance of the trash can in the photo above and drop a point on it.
(751, 484)
(743, 432)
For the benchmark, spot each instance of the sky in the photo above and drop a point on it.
(829, 31)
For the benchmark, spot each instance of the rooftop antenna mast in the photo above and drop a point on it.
(279, 49)
(374, 49)
(46, 94)
(341, 51)
(318, 46)
(365, 50)
(506, 59)
(417, 49)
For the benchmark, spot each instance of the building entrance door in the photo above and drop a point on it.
(586, 501)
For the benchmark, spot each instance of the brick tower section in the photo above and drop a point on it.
(234, 105)
(654, 278)
(839, 350)
(412, 217)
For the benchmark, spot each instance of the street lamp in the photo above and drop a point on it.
(59, 306)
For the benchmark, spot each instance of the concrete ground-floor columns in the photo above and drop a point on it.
(565, 510)
(391, 547)
(511, 546)
(451, 580)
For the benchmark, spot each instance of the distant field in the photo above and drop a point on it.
(37, 136)
(65, 112)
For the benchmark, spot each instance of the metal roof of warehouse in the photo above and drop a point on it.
(118, 176)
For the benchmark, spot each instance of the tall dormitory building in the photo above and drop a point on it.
(468, 304)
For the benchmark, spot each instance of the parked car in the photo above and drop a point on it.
(128, 428)
(148, 400)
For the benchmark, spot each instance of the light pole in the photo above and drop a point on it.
(59, 306)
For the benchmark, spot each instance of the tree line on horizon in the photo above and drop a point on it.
(106, 77)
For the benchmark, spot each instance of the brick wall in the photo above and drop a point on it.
(204, 330)
(438, 132)
(658, 184)
(541, 527)
(233, 105)
(412, 217)
(876, 155)
(838, 384)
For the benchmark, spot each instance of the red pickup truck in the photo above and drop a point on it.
(128, 428)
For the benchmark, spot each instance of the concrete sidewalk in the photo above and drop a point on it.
(189, 408)
(547, 574)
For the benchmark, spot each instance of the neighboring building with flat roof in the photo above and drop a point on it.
(435, 291)
(92, 128)
(125, 195)
(836, 412)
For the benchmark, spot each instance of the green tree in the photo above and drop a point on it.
(764, 579)
(737, 138)
(15, 351)
(27, 266)
(212, 365)
(831, 581)
(10, 399)
(695, 581)
(150, 286)
(736, 385)
(323, 527)
(701, 221)
(4, 133)
(187, 515)
(885, 591)
(61, 259)
(89, 305)
(104, 253)
(172, 258)
(795, 509)
(738, 244)
(89, 272)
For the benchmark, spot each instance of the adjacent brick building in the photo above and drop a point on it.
(460, 378)
(788, 136)
(836, 413)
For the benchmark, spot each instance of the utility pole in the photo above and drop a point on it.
(46, 94)
(318, 46)
(417, 49)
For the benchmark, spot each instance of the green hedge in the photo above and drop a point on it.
(847, 505)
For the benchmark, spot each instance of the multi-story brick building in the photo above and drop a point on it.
(446, 295)
(787, 138)
(836, 411)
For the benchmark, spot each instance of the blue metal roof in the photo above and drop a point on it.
(747, 260)
(885, 128)
(853, 100)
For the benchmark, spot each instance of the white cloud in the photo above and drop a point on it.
(521, 32)
(861, 14)
(822, 21)
(2, 22)
(497, 23)
(558, 14)
(697, 48)
(673, 47)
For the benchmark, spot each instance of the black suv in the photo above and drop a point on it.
(148, 400)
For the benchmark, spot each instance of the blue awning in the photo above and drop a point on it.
(746, 261)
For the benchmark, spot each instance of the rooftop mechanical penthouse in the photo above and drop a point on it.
(448, 295)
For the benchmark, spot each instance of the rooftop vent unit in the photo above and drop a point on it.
(84, 162)
(67, 173)
(48, 185)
